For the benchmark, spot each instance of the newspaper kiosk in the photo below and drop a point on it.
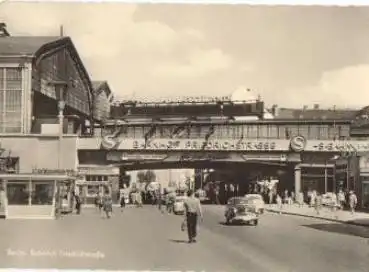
(34, 196)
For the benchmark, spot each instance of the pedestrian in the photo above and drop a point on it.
(160, 200)
(341, 199)
(108, 205)
(78, 204)
(271, 195)
(352, 201)
(293, 198)
(171, 199)
(279, 203)
(313, 198)
(139, 199)
(192, 212)
(285, 197)
(98, 201)
(122, 202)
(318, 202)
(300, 199)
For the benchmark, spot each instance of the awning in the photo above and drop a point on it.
(38, 177)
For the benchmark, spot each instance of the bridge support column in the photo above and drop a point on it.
(297, 179)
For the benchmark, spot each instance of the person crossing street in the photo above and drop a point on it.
(192, 212)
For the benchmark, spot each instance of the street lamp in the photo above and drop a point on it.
(61, 89)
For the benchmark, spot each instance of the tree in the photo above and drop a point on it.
(141, 177)
(150, 176)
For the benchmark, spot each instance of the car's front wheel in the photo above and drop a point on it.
(255, 222)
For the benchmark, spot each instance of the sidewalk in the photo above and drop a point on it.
(358, 218)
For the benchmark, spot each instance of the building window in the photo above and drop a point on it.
(323, 132)
(304, 131)
(293, 130)
(314, 132)
(10, 100)
(273, 131)
(252, 132)
(263, 131)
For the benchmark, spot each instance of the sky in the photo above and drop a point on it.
(290, 56)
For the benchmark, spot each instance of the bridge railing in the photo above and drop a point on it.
(232, 131)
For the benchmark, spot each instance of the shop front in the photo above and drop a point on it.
(33, 196)
(96, 179)
(328, 172)
(365, 193)
(34, 171)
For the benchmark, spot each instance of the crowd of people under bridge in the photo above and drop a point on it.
(343, 199)
(217, 193)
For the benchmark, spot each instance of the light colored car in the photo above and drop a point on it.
(256, 201)
(330, 200)
(239, 211)
(179, 207)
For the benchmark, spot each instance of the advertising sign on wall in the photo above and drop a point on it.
(125, 156)
(98, 170)
(44, 171)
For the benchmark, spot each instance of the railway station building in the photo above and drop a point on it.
(101, 140)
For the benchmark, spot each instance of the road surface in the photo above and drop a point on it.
(144, 239)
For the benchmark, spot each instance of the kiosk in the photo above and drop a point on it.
(36, 196)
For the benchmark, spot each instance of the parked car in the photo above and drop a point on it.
(239, 211)
(329, 200)
(256, 201)
(179, 207)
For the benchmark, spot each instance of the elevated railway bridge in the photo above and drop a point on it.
(310, 153)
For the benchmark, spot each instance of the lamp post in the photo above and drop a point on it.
(61, 89)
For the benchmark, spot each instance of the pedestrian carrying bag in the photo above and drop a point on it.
(184, 225)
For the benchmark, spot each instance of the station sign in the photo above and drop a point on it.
(201, 144)
(297, 144)
(337, 146)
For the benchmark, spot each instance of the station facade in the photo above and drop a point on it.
(36, 73)
(99, 143)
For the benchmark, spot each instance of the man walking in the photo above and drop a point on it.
(192, 212)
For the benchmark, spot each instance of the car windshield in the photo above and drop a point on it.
(252, 198)
(238, 201)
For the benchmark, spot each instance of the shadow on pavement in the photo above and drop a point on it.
(233, 224)
(341, 229)
(179, 241)
(363, 222)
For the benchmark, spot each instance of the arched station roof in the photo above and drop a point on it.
(39, 47)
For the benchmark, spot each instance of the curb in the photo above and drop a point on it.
(319, 217)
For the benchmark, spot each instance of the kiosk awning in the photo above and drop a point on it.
(36, 177)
